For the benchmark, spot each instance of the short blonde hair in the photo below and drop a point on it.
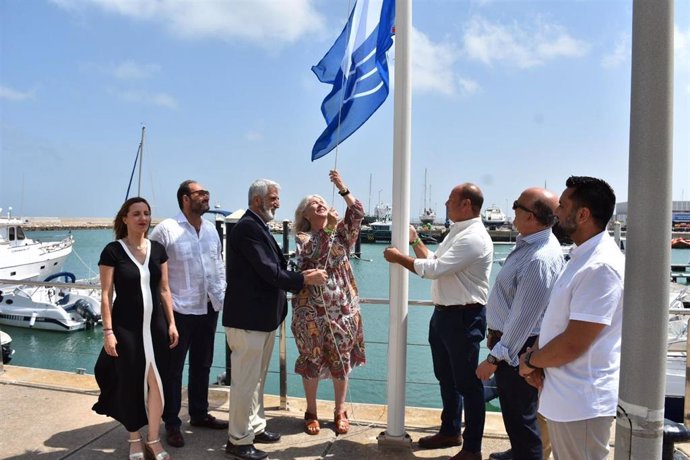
(301, 224)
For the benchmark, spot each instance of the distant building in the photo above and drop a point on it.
(680, 214)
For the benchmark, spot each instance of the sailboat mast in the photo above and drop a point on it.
(370, 213)
(141, 159)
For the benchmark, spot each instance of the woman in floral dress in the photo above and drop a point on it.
(326, 321)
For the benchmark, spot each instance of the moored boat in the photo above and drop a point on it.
(22, 258)
(51, 308)
(493, 217)
(6, 346)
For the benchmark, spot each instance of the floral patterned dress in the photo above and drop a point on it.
(326, 321)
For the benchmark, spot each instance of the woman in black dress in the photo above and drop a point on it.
(138, 328)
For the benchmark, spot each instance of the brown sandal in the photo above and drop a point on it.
(311, 424)
(342, 424)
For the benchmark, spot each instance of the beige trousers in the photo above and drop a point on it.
(545, 440)
(582, 439)
(251, 355)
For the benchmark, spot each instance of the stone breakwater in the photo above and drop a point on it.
(69, 223)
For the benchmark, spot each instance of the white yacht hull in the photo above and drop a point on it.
(31, 264)
(50, 309)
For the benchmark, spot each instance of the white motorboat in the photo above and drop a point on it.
(493, 217)
(64, 309)
(6, 346)
(22, 258)
(676, 355)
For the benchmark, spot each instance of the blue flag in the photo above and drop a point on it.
(356, 67)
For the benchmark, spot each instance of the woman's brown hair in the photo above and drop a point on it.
(119, 224)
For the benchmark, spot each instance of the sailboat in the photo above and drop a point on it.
(428, 215)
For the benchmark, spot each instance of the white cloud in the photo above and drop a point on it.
(432, 64)
(147, 98)
(620, 54)
(131, 70)
(681, 45)
(468, 86)
(15, 95)
(518, 45)
(262, 21)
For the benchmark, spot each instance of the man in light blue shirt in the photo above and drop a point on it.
(514, 312)
(197, 282)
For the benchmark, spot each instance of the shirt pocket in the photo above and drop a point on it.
(184, 250)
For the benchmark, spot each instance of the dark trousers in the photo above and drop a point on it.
(454, 336)
(197, 335)
(519, 402)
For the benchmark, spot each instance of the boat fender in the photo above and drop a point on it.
(69, 277)
(87, 312)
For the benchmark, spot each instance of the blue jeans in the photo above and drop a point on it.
(454, 337)
(197, 335)
(519, 401)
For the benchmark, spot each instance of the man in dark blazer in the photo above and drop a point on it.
(255, 305)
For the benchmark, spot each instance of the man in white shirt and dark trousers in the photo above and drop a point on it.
(459, 270)
(577, 360)
(197, 281)
(516, 305)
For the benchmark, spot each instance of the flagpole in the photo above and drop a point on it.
(640, 414)
(397, 334)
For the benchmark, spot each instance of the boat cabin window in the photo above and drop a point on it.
(16, 233)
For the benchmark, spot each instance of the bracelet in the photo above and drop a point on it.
(108, 332)
(344, 192)
(107, 329)
(416, 242)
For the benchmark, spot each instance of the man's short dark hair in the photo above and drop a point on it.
(543, 213)
(474, 194)
(595, 195)
(183, 190)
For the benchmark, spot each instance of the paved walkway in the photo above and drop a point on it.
(47, 415)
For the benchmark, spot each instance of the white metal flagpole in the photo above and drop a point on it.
(397, 334)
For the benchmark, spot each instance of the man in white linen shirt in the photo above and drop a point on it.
(459, 270)
(197, 281)
(577, 360)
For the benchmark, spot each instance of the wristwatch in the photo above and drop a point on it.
(491, 359)
(528, 356)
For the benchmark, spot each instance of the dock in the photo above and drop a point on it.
(47, 414)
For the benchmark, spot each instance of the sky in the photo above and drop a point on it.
(505, 94)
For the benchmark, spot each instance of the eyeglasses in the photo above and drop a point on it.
(199, 192)
(517, 205)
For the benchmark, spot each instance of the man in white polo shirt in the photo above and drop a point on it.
(577, 360)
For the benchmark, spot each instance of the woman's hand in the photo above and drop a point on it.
(174, 335)
(332, 218)
(110, 344)
(337, 180)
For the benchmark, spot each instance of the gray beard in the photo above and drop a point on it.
(266, 214)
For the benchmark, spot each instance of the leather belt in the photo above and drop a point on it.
(456, 307)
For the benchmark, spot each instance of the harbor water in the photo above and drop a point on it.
(78, 351)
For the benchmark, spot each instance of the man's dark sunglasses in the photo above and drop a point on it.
(517, 205)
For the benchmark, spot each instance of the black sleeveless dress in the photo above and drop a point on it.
(141, 330)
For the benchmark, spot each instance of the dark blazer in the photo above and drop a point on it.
(255, 298)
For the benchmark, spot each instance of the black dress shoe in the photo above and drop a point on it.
(210, 422)
(246, 452)
(267, 437)
(439, 441)
(505, 455)
(174, 436)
